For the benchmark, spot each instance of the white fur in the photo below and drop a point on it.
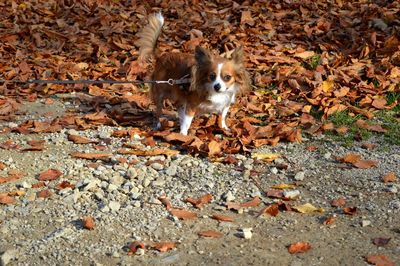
(219, 79)
(185, 121)
(160, 18)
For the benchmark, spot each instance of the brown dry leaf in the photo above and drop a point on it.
(299, 247)
(171, 137)
(252, 203)
(91, 156)
(275, 193)
(88, 223)
(350, 210)
(379, 103)
(65, 184)
(340, 202)
(134, 246)
(349, 158)
(312, 148)
(214, 148)
(154, 152)
(381, 241)
(379, 260)
(368, 146)
(284, 186)
(246, 18)
(80, 140)
(210, 233)
(365, 164)
(329, 220)
(200, 202)
(222, 218)
(390, 177)
(44, 194)
(272, 210)
(165, 201)
(39, 184)
(267, 157)
(6, 199)
(163, 246)
(183, 214)
(342, 130)
(49, 175)
(304, 55)
(2, 166)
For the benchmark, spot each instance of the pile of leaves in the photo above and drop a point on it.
(307, 60)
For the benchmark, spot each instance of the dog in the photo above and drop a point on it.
(213, 84)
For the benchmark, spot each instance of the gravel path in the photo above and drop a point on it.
(122, 195)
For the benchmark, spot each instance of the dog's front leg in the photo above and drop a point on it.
(223, 117)
(185, 117)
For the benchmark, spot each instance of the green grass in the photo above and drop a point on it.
(391, 121)
(391, 97)
(313, 62)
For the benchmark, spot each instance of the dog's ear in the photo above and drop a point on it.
(237, 55)
(202, 55)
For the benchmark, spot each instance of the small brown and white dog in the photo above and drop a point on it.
(214, 80)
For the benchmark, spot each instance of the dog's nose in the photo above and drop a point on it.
(217, 87)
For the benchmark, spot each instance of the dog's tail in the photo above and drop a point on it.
(149, 36)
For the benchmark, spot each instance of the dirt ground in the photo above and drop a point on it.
(37, 231)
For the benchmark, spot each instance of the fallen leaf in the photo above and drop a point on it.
(183, 214)
(380, 241)
(252, 203)
(299, 247)
(390, 177)
(312, 148)
(305, 54)
(91, 156)
(307, 208)
(246, 18)
(6, 199)
(2, 166)
(49, 175)
(365, 164)
(199, 203)
(380, 260)
(368, 146)
(214, 148)
(154, 152)
(165, 201)
(222, 218)
(272, 210)
(80, 140)
(88, 223)
(275, 193)
(350, 210)
(134, 246)
(44, 194)
(329, 220)
(268, 157)
(210, 233)
(39, 184)
(284, 186)
(349, 158)
(163, 246)
(173, 136)
(340, 202)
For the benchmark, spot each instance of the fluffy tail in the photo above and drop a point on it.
(149, 36)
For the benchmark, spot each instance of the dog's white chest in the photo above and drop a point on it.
(217, 102)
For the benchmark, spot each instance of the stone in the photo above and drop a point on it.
(228, 196)
(6, 257)
(365, 223)
(159, 182)
(116, 180)
(299, 176)
(291, 194)
(146, 182)
(131, 173)
(274, 170)
(157, 166)
(246, 233)
(140, 252)
(172, 170)
(114, 206)
(327, 155)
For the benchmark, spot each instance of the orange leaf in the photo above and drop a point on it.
(164, 246)
(272, 210)
(246, 18)
(390, 177)
(91, 156)
(329, 220)
(44, 194)
(165, 201)
(198, 203)
(340, 202)
(364, 164)
(380, 260)
(64, 184)
(2, 166)
(79, 139)
(183, 214)
(368, 146)
(349, 158)
(134, 246)
(154, 152)
(88, 223)
(299, 247)
(222, 218)
(210, 233)
(173, 136)
(350, 210)
(379, 103)
(6, 199)
(214, 148)
(252, 203)
(49, 175)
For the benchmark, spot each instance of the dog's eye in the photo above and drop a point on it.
(213, 76)
(227, 78)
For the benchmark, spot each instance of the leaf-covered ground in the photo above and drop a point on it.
(308, 60)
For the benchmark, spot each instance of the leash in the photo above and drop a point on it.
(183, 80)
